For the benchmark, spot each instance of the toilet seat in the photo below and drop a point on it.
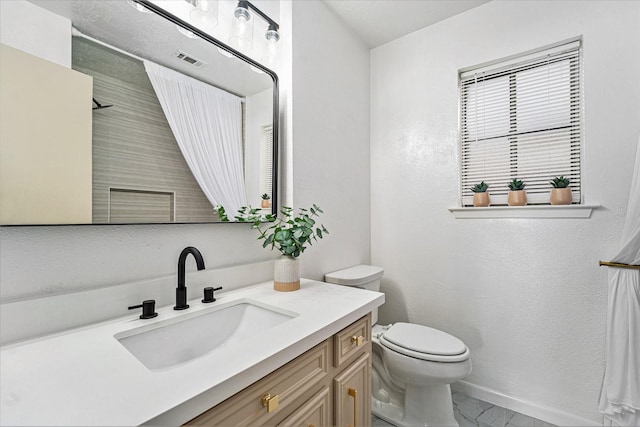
(424, 343)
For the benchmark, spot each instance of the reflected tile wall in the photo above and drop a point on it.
(471, 412)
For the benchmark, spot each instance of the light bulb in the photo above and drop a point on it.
(205, 13)
(242, 29)
(272, 37)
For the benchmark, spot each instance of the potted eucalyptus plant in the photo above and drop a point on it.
(561, 192)
(517, 196)
(480, 195)
(290, 233)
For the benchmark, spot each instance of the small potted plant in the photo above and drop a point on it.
(266, 201)
(517, 195)
(480, 195)
(290, 234)
(561, 192)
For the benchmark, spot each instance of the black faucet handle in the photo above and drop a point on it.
(148, 309)
(208, 294)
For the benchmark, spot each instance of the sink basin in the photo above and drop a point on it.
(174, 341)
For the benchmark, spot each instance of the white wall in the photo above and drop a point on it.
(526, 295)
(330, 138)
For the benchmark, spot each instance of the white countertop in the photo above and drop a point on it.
(86, 377)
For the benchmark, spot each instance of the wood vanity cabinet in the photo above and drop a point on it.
(329, 385)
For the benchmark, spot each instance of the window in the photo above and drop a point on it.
(522, 118)
(266, 160)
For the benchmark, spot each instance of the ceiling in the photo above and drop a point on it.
(148, 36)
(377, 22)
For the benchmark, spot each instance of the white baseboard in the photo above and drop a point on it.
(531, 409)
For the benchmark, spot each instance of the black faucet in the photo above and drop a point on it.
(181, 290)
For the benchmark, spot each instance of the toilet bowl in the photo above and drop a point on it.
(413, 365)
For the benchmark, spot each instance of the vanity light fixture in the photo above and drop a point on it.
(242, 30)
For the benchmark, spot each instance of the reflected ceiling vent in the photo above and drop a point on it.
(190, 59)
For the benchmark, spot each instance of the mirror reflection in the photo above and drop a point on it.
(148, 125)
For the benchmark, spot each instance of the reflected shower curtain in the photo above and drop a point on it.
(620, 394)
(207, 124)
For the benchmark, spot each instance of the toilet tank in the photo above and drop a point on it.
(361, 276)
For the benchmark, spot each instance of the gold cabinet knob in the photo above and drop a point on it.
(270, 402)
(357, 340)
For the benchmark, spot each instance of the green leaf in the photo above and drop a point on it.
(290, 232)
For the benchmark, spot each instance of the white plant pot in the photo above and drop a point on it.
(286, 274)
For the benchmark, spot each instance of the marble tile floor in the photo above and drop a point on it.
(470, 412)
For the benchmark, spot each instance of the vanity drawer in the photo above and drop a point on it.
(278, 389)
(351, 340)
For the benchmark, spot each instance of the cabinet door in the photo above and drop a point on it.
(314, 413)
(352, 394)
(284, 387)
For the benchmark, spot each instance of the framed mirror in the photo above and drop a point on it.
(155, 122)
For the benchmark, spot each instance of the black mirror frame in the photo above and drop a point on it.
(276, 117)
(276, 94)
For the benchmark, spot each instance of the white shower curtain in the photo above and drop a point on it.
(620, 394)
(207, 124)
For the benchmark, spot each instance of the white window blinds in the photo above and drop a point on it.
(522, 119)
(266, 160)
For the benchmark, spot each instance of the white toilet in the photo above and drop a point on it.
(413, 365)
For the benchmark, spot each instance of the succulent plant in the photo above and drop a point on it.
(480, 188)
(560, 182)
(516, 185)
(265, 196)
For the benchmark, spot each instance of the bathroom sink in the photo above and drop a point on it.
(168, 343)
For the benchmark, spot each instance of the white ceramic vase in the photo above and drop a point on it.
(286, 274)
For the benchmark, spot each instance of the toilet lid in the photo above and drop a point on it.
(423, 342)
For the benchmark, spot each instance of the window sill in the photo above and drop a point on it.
(541, 211)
